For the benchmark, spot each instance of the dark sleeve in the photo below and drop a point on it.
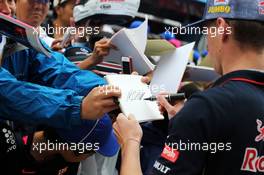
(185, 152)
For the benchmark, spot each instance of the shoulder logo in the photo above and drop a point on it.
(260, 129)
(261, 3)
(170, 154)
(261, 7)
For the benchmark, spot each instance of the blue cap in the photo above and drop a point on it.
(98, 132)
(136, 24)
(168, 35)
(233, 9)
(204, 53)
(196, 55)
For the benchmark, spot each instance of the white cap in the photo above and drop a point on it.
(58, 2)
(106, 7)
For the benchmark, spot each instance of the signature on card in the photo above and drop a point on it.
(135, 95)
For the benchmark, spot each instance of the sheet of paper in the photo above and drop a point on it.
(158, 47)
(114, 57)
(44, 37)
(2, 44)
(170, 69)
(139, 35)
(200, 73)
(133, 92)
(131, 43)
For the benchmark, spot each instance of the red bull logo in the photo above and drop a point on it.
(261, 3)
(252, 161)
(261, 7)
(221, 2)
(260, 129)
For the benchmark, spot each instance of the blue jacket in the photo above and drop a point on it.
(36, 89)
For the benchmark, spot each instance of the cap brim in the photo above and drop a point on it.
(110, 147)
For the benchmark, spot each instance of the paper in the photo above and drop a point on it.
(67, 36)
(132, 43)
(133, 91)
(170, 69)
(2, 44)
(44, 37)
(114, 57)
(158, 47)
(139, 35)
(200, 73)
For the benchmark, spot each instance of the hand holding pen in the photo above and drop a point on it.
(172, 106)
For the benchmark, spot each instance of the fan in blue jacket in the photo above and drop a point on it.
(40, 90)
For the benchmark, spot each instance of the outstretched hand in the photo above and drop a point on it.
(127, 129)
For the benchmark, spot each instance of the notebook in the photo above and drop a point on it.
(133, 92)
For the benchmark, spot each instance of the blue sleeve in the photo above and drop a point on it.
(35, 104)
(58, 72)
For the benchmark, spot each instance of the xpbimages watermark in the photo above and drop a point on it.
(195, 30)
(195, 146)
(60, 146)
(134, 94)
(81, 31)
